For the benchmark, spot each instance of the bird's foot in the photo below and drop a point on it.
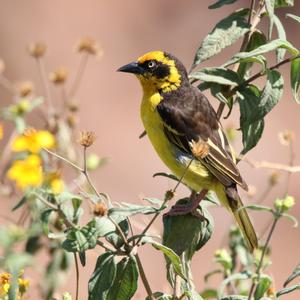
(189, 208)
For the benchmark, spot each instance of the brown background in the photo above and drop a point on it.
(110, 105)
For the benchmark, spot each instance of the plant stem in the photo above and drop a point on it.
(42, 72)
(260, 264)
(77, 276)
(79, 75)
(143, 277)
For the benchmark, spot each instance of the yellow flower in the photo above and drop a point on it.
(33, 141)
(53, 180)
(1, 132)
(23, 285)
(4, 283)
(27, 172)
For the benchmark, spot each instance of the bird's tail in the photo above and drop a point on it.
(234, 203)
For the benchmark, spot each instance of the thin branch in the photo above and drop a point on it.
(260, 264)
(64, 159)
(79, 75)
(143, 277)
(7, 84)
(42, 72)
(77, 276)
(269, 165)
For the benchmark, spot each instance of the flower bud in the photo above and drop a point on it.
(37, 50)
(93, 162)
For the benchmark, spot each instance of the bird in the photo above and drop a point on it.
(185, 131)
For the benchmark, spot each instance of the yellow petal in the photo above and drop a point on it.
(45, 139)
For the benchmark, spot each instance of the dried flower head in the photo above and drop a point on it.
(274, 178)
(100, 209)
(88, 45)
(252, 190)
(73, 107)
(87, 138)
(2, 66)
(37, 50)
(286, 137)
(71, 120)
(59, 76)
(200, 149)
(25, 88)
(169, 195)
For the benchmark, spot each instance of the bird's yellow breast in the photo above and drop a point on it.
(197, 176)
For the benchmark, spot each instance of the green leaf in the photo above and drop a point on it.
(263, 285)
(294, 17)
(220, 3)
(128, 209)
(295, 78)
(160, 296)
(104, 226)
(103, 277)
(284, 3)
(235, 297)
(288, 290)
(187, 233)
(45, 215)
(257, 207)
(115, 238)
(292, 218)
(162, 174)
(209, 294)
(225, 33)
(217, 75)
(252, 134)
(271, 46)
(125, 283)
(282, 35)
(237, 276)
(294, 275)
(154, 201)
(21, 202)
(270, 6)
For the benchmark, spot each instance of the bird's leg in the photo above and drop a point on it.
(191, 207)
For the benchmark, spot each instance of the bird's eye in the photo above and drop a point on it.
(151, 64)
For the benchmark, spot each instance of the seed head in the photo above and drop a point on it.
(88, 45)
(100, 209)
(200, 148)
(286, 137)
(59, 76)
(37, 50)
(25, 88)
(87, 138)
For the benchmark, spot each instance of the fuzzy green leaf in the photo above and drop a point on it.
(295, 274)
(292, 218)
(104, 226)
(225, 33)
(263, 285)
(162, 174)
(125, 283)
(284, 3)
(271, 46)
(187, 233)
(209, 294)
(220, 3)
(102, 277)
(288, 290)
(295, 78)
(257, 207)
(270, 6)
(294, 17)
(280, 53)
(160, 296)
(217, 75)
(114, 238)
(237, 276)
(21, 202)
(234, 297)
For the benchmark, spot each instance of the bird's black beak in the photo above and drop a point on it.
(133, 67)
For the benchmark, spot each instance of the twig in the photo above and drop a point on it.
(79, 75)
(291, 163)
(6, 83)
(101, 244)
(260, 264)
(42, 72)
(77, 276)
(269, 165)
(143, 277)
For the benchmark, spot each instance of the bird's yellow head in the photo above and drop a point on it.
(157, 71)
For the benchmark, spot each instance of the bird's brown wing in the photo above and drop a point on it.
(189, 118)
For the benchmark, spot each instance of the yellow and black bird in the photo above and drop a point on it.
(185, 132)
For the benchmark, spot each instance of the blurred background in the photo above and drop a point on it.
(109, 105)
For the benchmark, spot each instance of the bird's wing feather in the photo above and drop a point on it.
(191, 119)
